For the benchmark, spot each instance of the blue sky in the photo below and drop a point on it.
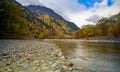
(90, 3)
(81, 12)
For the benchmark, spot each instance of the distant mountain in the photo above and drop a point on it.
(32, 21)
(106, 28)
(42, 11)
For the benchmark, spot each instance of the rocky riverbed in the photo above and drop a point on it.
(33, 56)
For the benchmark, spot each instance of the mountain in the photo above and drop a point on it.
(32, 21)
(106, 28)
(43, 12)
(51, 21)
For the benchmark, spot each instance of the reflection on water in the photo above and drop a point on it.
(93, 56)
(66, 47)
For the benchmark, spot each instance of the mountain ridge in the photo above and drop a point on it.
(42, 10)
(40, 23)
(106, 28)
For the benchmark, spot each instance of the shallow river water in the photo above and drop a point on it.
(92, 56)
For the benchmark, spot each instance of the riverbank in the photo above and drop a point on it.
(33, 56)
(82, 40)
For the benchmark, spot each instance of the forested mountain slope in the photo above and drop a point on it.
(105, 27)
(17, 21)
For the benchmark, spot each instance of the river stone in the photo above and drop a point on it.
(49, 71)
(9, 69)
(20, 71)
(57, 70)
(62, 57)
(81, 67)
(36, 62)
(42, 61)
(44, 65)
(50, 63)
(19, 65)
(39, 69)
(60, 54)
(8, 63)
(1, 58)
(26, 58)
(45, 68)
(4, 60)
(53, 65)
(4, 53)
(26, 66)
(34, 68)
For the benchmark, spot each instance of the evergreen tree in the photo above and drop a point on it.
(12, 19)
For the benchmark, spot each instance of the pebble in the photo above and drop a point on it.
(49, 71)
(26, 66)
(20, 71)
(57, 71)
(9, 70)
(45, 68)
(60, 54)
(39, 69)
(1, 58)
(62, 57)
(26, 58)
(34, 68)
(44, 64)
(53, 65)
(81, 68)
(36, 55)
(8, 63)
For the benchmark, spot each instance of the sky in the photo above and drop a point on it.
(81, 12)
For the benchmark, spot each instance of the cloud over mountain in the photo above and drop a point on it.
(94, 19)
(80, 11)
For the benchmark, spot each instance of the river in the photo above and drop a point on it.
(89, 55)
(93, 56)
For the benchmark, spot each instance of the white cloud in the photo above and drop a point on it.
(100, 9)
(94, 18)
(73, 11)
(28, 2)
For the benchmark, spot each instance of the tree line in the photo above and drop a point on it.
(105, 27)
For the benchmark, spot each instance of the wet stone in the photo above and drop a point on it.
(26, 66)
(53, 65)
(34, 68)
(57, 71)
(34, 55)
(1, 58)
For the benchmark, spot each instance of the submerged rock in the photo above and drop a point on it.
(1, 58)
(26, 66)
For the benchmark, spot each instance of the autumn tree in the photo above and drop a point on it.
(12, 19)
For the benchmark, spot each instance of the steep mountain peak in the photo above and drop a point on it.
(42, 10)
